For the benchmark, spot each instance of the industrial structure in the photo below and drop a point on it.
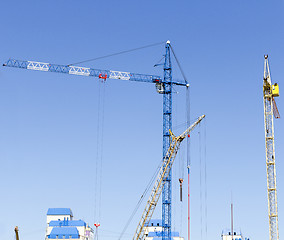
(154, 230)
(163, 173)
(270, 91)
(164, 86)
(61, 225)
(228, 235)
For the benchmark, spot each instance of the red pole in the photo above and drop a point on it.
(188, 227)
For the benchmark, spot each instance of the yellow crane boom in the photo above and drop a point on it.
(163, 173)
(269, 92)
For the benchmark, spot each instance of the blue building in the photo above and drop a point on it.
(61, 225)
(154, 229)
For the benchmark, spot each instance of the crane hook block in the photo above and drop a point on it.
(103, 77)
(180, 189)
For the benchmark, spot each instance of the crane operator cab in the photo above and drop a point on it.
(275, 90)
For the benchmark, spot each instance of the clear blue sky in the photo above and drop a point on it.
(49, 121)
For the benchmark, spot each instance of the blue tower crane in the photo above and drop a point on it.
(167, 125)
(163, 86)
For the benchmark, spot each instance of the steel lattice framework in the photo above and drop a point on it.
(167, 125)
(163, 86)
(270, 152)
(83, 71)
(163, 173)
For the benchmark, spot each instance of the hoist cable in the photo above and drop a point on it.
(181, 218)
(187, 105)
(200, 187)
(184, 124)
(205, 178)
(141, 199)
(97, 156)
(102, 145)
(96, 237)
(118, 53)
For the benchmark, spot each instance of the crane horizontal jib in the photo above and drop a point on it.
(85, 71)
(164, 85)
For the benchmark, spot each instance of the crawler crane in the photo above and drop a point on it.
(269, 92)
(159, 183)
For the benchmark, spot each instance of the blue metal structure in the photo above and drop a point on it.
(167, 125)
(66, 222)
(59, 211)
(83, 71)
(163, 86)
(64, 232)
(157, 235)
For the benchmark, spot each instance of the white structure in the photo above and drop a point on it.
(154, 231)
(61, 225)
(236, 236)
(54, 214)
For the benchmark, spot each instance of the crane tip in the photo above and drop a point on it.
(266, 56)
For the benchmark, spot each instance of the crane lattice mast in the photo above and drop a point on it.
(269, 92)
(167, 125)
(163, 86)
(159, 183)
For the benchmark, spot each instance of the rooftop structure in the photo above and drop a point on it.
(61, 225)
(154, 231)
(227, 235)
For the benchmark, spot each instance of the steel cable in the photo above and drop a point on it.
(118, 53)
(141, 199)
(180, 68)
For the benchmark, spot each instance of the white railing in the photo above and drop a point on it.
(119, 75)
(79, 71)
(38, 66)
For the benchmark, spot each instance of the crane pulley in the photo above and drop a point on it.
(159, 183)
(269, 92)
(180, 188)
